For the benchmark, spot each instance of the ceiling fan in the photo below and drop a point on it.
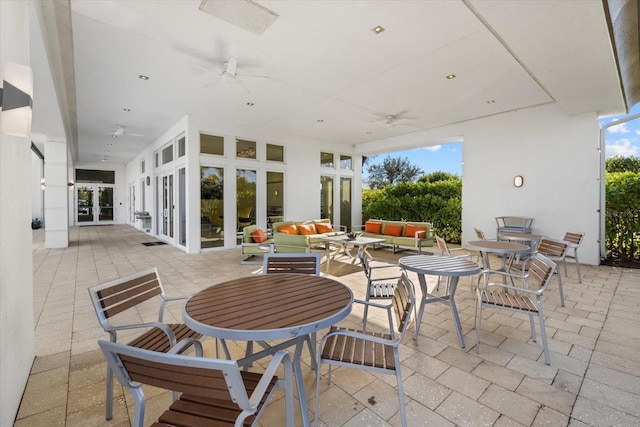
(392, 120)
(229, 73)
(121, 131)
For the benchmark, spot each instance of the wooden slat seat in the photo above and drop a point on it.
(373, 351)
(214, 392)
(115, 300)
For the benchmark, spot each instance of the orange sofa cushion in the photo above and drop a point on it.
(393, 230)
(258, 236)
(373, 227)
(306, 229)
(324, 228)
(412, 229)
(289, 229)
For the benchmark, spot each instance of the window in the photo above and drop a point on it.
(326, 160)
(167, 154)
(245, 149)
(275, 153)
(97, 176)
(345, 202)
(345, 162)
(211, 207)
(326, 197)
(142, 166)
(275, 197)
(211, 144)
(182, 146)
(246, 197)
(156, 156)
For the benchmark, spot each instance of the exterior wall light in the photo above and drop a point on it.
(518, 181)
(16, 100)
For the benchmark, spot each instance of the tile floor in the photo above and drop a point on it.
(593, 380)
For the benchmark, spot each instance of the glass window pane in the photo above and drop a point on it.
(211, 144)
(245, 149)
(142, 166)
(167, 154)
(182, 146)
(345, 162)
(156, 156)
(275, 197)
(326, 160)
(211, 207)
(345, 202)
(326, 197)
(98, 176)
(246, 197)
(275, 153)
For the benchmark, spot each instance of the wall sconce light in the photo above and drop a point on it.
(16, 100)
(275, 193)
(70, 184)
(518, 181)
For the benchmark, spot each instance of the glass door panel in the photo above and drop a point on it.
(105, 204)
(326, 197)
(84, 197)
(166, 207)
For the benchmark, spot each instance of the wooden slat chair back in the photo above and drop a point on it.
(379, 285)
(525, 299)
(574, 240)
(556, 251)
(456, 253)
(213, 391)
(302, 263)
(367, 350)
(115, 300)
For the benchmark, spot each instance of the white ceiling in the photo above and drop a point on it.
(323, 62)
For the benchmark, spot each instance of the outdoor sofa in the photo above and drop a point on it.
(399, 235)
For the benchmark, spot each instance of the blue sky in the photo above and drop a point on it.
(620, 140)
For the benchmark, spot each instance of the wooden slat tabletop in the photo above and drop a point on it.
(498, 247)
(264, 307)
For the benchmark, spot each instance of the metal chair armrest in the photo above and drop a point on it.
(166, 329)
(281, 357)
(184, 343)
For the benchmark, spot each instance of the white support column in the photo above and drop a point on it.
(17, 346)
(56, 195)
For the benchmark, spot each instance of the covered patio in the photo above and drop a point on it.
(593, 379)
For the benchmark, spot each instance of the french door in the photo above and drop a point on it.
(166, 207)
(94, 204)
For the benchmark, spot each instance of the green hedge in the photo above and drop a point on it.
(439, 203)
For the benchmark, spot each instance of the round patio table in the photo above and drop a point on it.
(258, 308)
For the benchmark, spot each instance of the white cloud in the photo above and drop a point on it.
(622, 147)
(621, 128)
(433, 148)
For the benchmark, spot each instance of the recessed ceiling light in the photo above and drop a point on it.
(369, 133)
(126, 109)
(491, 101)
(377, 29)
(451, 76)
(250, 104)
(143, 77)
(320, 120)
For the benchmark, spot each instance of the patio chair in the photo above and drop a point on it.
(526, 299)
(378, 286)
(302, 263)
(371, 351)
(122, 297)
(556, 251)
(573, 240)
(455, 252)
(214, 391)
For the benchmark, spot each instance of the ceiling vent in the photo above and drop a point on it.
(242, 13)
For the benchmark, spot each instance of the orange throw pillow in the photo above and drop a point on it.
(258, 236)
(306, 229)
(372, 227)
(393, 230)
(412, 229)
(289, 229)
(324, 227)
